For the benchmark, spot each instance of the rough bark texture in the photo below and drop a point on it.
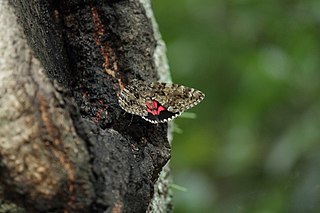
(65, 145)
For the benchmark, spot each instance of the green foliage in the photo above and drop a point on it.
(255, 144)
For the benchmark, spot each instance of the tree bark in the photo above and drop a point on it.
(65, 144)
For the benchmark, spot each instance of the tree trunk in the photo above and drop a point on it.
(65, 144)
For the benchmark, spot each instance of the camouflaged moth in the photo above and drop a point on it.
(158, 102)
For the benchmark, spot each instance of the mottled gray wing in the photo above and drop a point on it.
(132, 98)
(176, 98)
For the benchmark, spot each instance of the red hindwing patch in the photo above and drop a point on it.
(155, 108)
(158, 113)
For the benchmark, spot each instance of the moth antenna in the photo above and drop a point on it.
(131, 120)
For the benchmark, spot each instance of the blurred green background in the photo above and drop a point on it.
(255, 144)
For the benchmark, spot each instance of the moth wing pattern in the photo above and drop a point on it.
(131, 101)
(176, 98)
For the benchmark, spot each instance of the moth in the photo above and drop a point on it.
(158, 102)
